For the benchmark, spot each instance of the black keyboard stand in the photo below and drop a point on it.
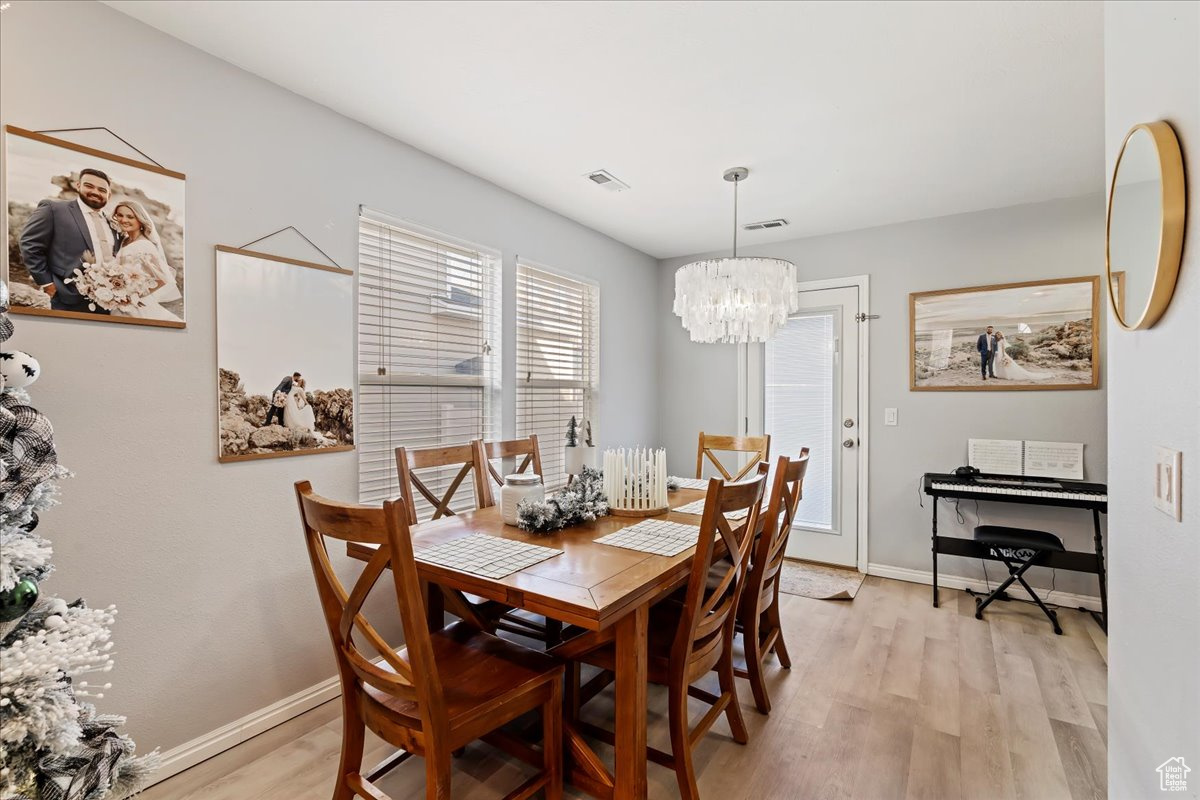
(1073, 560)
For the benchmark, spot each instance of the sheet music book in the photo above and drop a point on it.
(1028, 458)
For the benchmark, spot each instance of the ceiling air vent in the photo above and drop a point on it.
(606, 179)
(764, 225)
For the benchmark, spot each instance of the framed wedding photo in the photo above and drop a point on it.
(92, 235)
(1013, 336)
(285, 356)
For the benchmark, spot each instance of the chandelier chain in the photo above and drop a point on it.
(736, 181)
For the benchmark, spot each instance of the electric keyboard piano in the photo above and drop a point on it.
(1025, 490)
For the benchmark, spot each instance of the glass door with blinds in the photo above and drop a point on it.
(558, 360)
(804, 391)
(428, 350)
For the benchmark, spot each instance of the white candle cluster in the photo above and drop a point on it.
(636, 480)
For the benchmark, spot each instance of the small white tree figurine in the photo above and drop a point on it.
(576, 456)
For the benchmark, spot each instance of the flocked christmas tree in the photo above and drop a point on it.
(54, 745)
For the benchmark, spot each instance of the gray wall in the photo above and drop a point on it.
(218, 613)
(1047, 240)
(1152, 71)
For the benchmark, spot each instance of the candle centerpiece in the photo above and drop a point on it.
(635, 482)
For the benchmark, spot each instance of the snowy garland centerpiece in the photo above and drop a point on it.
(582, 500)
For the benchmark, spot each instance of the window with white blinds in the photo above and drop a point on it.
(558, 360)
(801, 380)
(428, 351)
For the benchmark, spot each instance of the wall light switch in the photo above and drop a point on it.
(1167, 481)
(889, 416)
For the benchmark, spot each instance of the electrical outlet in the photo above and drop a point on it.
(889, 416)
(1167, 480)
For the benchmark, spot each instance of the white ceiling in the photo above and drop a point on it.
(849, 115)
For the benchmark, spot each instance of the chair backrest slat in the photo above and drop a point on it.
(786, 492)
(411, 677)
(710, 445)
(526, 449)
(718, 572)
(468, 458)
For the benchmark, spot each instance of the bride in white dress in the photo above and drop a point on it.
(1006, 368)
(298, 412)
(142, 250)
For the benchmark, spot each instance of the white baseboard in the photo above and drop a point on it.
(204, 747)
(1057, 597)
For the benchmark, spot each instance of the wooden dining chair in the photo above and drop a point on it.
(688, 640)
(471, 464)
(439, 692)
(526, 458)
(525, 449)
(758, 612)
(710, 445)
(473, 472)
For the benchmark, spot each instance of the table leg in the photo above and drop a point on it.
(630, 755)
(435, 606)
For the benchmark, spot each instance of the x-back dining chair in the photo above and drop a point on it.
(467, 457)
(473, 471)
(758, 612)
(689, 641)
(526, 450)
(526, 458)
(439, 692)
(710, 445)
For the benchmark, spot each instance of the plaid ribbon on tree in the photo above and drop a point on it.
(26, 450)
(92, 772)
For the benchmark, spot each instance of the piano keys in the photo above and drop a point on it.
(1017, 489)
(1025, 490)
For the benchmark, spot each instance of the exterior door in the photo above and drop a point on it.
(804, 392)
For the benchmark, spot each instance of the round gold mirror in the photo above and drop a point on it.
(1146, 211)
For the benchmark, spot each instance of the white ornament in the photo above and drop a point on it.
(18, 369)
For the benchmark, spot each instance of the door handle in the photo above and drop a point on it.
(848, 443)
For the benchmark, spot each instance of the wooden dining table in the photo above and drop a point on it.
(595, 586)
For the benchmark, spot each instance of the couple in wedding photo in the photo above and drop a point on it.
(289, 404)
(97, 254)
(995, 363)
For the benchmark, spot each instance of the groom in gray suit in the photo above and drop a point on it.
(986, 345)
(58, 232)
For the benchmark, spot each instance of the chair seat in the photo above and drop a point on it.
(1003, 536)
(478, 672)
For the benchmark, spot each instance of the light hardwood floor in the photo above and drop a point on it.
(887, 697)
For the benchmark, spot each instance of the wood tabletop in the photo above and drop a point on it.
(590, 584)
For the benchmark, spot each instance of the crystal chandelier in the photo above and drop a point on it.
(735, 300)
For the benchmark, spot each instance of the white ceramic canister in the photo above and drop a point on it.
(515, 489)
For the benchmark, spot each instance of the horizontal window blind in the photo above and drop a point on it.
(801, 380)
(428, 352)
(558, 360)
